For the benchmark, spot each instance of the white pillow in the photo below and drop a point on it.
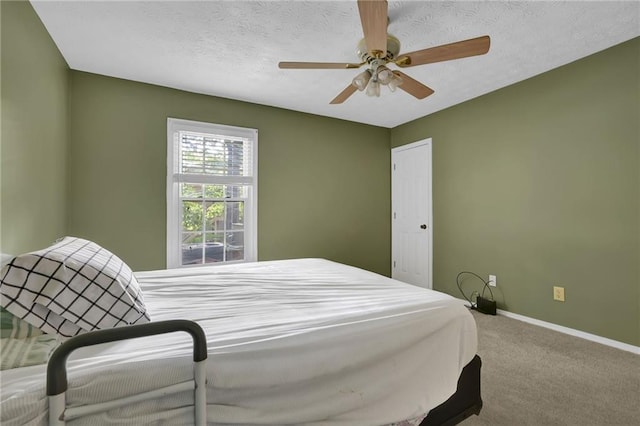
(71, 287)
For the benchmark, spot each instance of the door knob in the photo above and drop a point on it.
(423, 226)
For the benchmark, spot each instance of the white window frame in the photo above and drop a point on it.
(174, 178)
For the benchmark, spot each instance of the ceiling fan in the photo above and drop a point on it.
(378, 49)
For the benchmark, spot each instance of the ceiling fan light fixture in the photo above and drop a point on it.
(361, 80)
(385, 76)
(373, 88)
(396, 81)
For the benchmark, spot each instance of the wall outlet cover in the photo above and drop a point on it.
(558, 294)
(493, 280)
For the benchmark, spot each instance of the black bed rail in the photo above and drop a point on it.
(57, 369)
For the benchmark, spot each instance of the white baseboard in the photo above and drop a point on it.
(588, 336)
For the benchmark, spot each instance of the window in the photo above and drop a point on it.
(211, 193)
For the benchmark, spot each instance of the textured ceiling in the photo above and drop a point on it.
(231, 48)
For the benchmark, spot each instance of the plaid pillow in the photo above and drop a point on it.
(71, 287)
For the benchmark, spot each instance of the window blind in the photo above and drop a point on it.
(215, 155)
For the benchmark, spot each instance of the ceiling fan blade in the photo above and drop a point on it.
(413, 87)
(317, 65)
(344, 95)
(445, 52)
(373, 15)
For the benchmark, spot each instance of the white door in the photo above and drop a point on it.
(411, 221)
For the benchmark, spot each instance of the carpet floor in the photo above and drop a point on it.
(535, 376)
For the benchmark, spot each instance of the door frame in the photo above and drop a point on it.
(429, 143)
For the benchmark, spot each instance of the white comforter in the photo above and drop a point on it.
(303, 341)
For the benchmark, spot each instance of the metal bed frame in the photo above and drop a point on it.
(57, 383)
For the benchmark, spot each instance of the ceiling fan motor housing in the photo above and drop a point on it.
(393, 49)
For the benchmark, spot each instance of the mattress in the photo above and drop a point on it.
(304, 342)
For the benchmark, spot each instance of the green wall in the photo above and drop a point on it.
(323, 184)
(538, 183)
(34, 135)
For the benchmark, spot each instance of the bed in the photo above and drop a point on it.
(301, 341)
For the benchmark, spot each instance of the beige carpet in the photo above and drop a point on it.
(535, 376)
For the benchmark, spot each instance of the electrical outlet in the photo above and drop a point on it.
(493, 280)
(558, 294)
